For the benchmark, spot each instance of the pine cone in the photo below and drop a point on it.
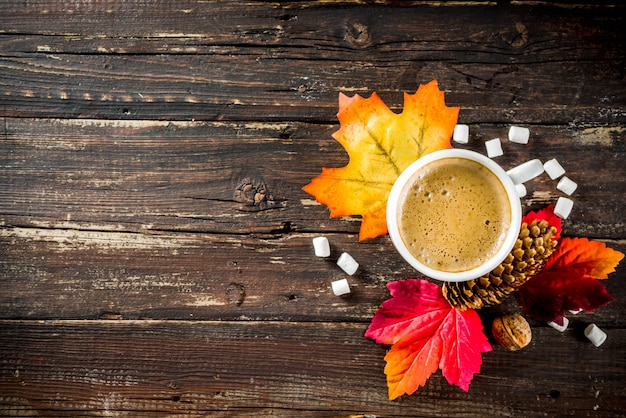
(533, 246)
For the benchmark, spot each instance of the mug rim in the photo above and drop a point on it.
(511, 235)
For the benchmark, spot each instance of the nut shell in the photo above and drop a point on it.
(511, 331)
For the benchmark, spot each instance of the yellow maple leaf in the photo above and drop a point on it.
(381, 144)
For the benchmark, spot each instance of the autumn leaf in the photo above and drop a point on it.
(425, 333)
(584, 257)
(568, 280)
(381, 144)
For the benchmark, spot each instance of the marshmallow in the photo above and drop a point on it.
(347, 263)
(461, 134)
(525, 171)
(553, 168)
(521, 190)
(595, 335)
(519, 134)
(566, 185)
(340, 287)
(558, 327)
(494, 148)
(563, 207)
(321, 246)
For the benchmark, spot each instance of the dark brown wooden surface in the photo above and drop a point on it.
(134, 281)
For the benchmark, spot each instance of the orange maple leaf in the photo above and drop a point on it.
(584, 257)
(381, 144)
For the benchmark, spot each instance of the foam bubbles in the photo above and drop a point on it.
(445, 218)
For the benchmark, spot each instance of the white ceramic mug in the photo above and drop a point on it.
(396, 197)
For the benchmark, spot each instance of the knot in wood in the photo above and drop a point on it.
(252, 194)
(516, 37)
(357, 34)
(236, 293)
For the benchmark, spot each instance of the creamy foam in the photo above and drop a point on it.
(454, 214)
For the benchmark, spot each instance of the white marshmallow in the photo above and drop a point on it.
(553, 168)
(494, 148)
(563, 207)
(566, 185)
(347, 263)
(321, 246)
(520, 189)
(340, 287)
(558, 327)
(525, 171)
(461, 134)
(595, 335)
(519, 134)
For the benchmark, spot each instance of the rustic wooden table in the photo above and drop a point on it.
(136, 282)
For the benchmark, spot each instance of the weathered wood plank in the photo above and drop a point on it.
(317, 369)
(56, 273)
(497, 35)
(267, 64)
(245, 88)
(182, 176)
(328, 27)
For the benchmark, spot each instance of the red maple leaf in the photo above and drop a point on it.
(425, 333)
(568, 280)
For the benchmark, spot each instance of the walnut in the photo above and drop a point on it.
(511, 331)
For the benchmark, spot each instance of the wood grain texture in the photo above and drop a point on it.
(220, 60)
(57, 273)
(138, 279)
(282, 368)
(159, 175)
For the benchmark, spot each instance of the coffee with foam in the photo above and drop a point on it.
(454, 214)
